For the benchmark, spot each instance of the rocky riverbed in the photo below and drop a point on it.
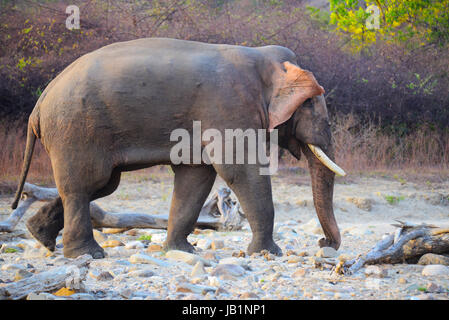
(137, 269)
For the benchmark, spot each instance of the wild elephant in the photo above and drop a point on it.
(113, 110)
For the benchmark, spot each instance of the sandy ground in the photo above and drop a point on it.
(365, 208)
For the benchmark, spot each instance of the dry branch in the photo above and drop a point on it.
(70, 276)
(409, 242)
(219, 213)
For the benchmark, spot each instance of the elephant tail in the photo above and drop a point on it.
(32, 134)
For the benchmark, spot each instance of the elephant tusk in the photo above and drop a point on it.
(325, 160)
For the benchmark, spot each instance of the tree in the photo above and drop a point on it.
(414, 22)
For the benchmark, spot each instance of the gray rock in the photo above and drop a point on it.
(12, 266)
(198, 270)
(81, 296)
(101, 275)
(145, 273)
(185, 257)
(143, 258)
(41, 296)
(204, 244)
(228, 270)
(327, 252)
(134, 245)
(376, 271)
(195, 288)
(431, 258)
(435, 270)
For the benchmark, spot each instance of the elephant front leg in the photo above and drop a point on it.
(192, 186)
(254, 193)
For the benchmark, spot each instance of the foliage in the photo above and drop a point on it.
(423, 21)
(145, 237)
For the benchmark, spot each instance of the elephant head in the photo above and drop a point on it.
(298, 110)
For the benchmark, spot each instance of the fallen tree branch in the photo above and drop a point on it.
(219, 213)
(70, 276)
(409, 242)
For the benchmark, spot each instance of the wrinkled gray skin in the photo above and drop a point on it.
(113, 110)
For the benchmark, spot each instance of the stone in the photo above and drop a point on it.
(204, 244)
(143, 258)
(185, 257)
(114, 230)
(40, 296)
(361, 203)
(214, 281)
(327, 252)
(402, 281)
(158, 238)
(35, 253)
(127, 293)
(312, 226)
(154, 248)
(144, 273)
(299, 273)
(12, 266)
(240, 254)
(249, 295)
(132, 232)
(100, 237)
(234, 270)
(375, 271)
(217, 244)
(194, 288)
(431, 258)
(434, 288)
(233, 260)
(198, 270)
(22, 274)
(112, 244)
(82, 296)
(435, 270)
(134, 245)
(101, 275)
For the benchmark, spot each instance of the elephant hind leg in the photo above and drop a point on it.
(45, 225)
(192, 186)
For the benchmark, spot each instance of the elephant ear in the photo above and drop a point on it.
(291, 88)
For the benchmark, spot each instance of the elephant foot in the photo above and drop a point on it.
(269, 245)
(182, 245)
(323, 242)
(92, 248)
(45, 225)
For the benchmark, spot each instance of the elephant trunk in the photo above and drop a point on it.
(323, 190)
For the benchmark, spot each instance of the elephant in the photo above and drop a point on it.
(113, 110)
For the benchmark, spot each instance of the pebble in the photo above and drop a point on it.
(22, 274)
(299, 273)
(204, 244)
(186, 257)
(194, 288)
(134, 245)
(145, 273)
(143, 258)
(112, 244)
(375, 271)
(249, 295)
(435, 270)
(100, 237)
(101, 275)
(12, 266)
(327, 252)
(198, 270)
(154, 248)
(234, 270)
(234, 260)
(217, 244)
(430, 258)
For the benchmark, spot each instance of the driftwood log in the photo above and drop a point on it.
(219, 213)
(408, 243)
(70, 276)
